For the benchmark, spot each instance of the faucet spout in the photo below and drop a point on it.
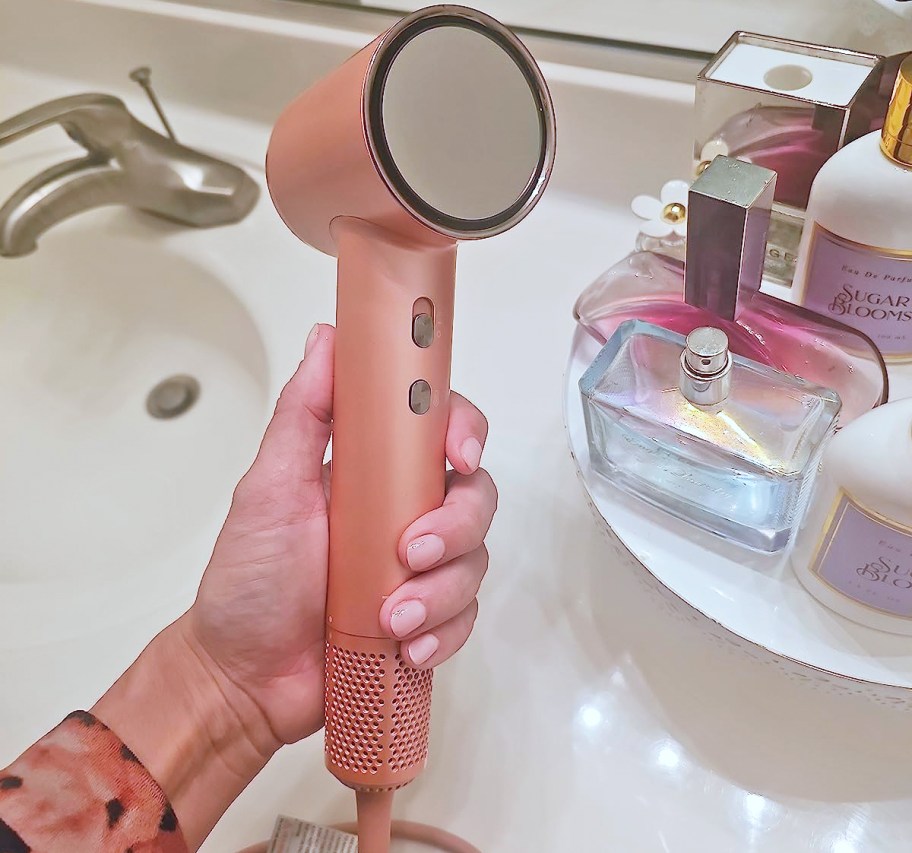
(54, 195)
(126, 163)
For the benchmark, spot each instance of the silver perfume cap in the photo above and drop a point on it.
(728, 216)
(706, 365)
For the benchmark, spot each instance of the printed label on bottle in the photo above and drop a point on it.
(866, 557)
(864, 287)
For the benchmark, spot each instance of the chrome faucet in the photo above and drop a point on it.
(126, 163)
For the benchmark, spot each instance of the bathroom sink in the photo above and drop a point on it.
(135, 383)
(89, 325)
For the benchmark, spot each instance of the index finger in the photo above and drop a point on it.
(467, 430)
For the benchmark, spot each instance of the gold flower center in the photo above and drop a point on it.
(674, 212)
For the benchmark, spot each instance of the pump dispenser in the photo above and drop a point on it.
(706, 366)
(896, 136)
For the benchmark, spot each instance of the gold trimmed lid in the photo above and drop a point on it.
(896, 136)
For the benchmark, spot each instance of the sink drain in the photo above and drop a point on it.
(172, 397)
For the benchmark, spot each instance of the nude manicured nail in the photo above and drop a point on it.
(407, 617)
(424, 551)
(312, 339)
(422, 648)
(471, 452)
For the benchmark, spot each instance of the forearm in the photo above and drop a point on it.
(200, 738)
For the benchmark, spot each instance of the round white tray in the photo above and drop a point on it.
(748, 601)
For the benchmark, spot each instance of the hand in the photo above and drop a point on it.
(259, 616)
(219, 691)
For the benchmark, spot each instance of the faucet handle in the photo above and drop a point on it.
(94, 121)
(143, 76)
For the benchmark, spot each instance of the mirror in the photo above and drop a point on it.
(703, 26)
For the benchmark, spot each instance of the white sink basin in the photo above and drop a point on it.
(102, 495)
(109, 513)
(89, 324)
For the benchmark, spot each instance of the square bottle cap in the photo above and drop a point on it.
(728, 216)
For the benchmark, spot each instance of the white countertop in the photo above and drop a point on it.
(582, 716)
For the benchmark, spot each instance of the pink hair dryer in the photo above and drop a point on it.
(441, 129)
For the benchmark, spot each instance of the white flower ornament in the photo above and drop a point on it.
(710, 151)
(665, 215)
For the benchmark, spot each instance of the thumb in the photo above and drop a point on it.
(292, 450)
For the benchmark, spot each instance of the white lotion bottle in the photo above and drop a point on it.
(855, 257)
(854, 550)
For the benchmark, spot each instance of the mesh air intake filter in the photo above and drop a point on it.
(378, 713)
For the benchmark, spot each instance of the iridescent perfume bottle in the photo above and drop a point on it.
(719, 285)
(720, 441)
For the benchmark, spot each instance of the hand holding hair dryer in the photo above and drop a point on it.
(440, 130)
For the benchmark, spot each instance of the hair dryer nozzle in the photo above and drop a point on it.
(441, 127)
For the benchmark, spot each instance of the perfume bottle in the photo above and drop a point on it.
(717, 440)
(856, 252)
(718, 285)
(788, 106)
(854, 550)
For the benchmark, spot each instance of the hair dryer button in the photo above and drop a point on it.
(420, 397)
(423, 330)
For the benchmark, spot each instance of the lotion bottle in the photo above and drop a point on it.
(855, 258)
(854, 550)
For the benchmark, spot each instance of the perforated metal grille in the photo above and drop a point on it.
(355, 709)
(411, 717)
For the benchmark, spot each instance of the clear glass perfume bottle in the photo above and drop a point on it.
(720, 441)
(728, 216)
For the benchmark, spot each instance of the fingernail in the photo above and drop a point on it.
(407, 617)
(471, 452)
(424, 551)
(421, 648)
(311, 339)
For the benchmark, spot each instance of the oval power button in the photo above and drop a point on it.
(420, 397)
(423, 330)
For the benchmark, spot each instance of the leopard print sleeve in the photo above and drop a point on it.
(80, 789)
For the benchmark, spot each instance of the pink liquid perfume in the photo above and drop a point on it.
(728, 217)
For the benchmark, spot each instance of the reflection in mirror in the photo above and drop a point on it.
(461, 122)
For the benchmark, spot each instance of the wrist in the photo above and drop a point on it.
(199, 736)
